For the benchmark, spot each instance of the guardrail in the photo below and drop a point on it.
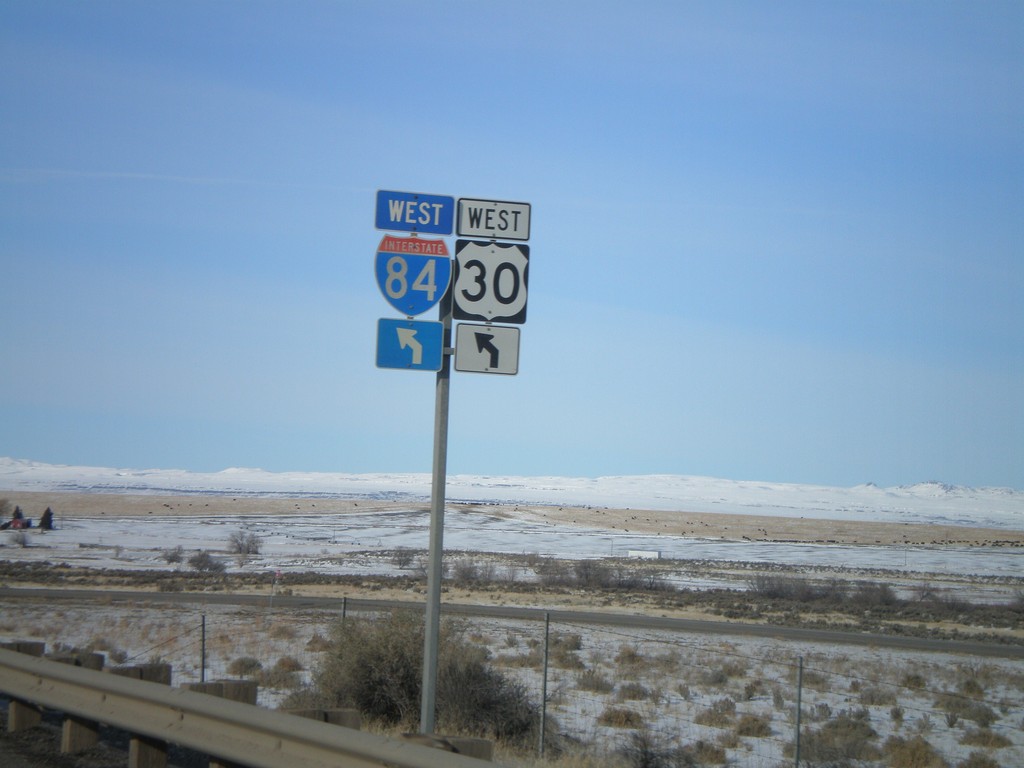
(225, 730)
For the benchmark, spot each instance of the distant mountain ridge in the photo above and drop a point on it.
(931, 501)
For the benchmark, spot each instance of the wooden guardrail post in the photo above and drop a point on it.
(144, 751)
(22, 715)
(79, 733)
(347, 718)
(482, 749)
(245, 691)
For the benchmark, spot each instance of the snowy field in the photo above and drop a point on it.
(683, 689)
(346, 543)
(927, 502)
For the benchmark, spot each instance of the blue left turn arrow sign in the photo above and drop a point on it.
(415, 345)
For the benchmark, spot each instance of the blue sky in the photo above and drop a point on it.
(774, 241)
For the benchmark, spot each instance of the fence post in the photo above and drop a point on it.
(799, 697)
(544, 687)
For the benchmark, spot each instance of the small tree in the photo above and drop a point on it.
(244, 543)
(204, 562)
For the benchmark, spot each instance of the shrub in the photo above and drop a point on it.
(533, 659)
(282, 632)
(755, 726)
(753, 689)
(978, 760)
(204, 562)
(718, 715)
(645, 749)
(872, 594)
(175, 555)
(318, 643)
(375, 665)
(591, 574)
(969, 709)
(620, 717)
(284, 674)
(403, 558)
(629, 656)
(632, 692)
(563, 648)
(845, 738)
(594, 681)
(913, 681)
(244, 666)
(704, 753)
(466, 572)
(983, 737)
(877, 697)
(244, 543)
(914, 752)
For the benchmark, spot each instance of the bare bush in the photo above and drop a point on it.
(466, 572)
(245, 666)
(175, 555)
(403, 558)
(754, 726)
(594, 681)
(718, 715)
(914, 752)
(984, 737)
(244, 543)
(958, 706)
(874, 594)
(376, 667)
(846, 738)
(204, 562)
(619, 717)
(632, 692)
(978, 760)
(283, 675)
(647, 749)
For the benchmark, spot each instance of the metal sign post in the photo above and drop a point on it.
(437, 497)
(489, 284)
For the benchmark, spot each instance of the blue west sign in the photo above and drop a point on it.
(415, 212)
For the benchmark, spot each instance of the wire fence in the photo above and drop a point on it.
(615, 693)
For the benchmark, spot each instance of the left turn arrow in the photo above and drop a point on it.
(407, 340)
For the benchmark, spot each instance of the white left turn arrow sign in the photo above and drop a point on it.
(487, 349)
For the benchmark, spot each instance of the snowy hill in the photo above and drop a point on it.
(931, 502)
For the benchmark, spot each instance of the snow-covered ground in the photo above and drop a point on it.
(927, 502)
(311, 542)
(673, 682)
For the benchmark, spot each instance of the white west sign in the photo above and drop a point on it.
(494, 219)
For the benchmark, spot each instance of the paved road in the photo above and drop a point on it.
(597, 618)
